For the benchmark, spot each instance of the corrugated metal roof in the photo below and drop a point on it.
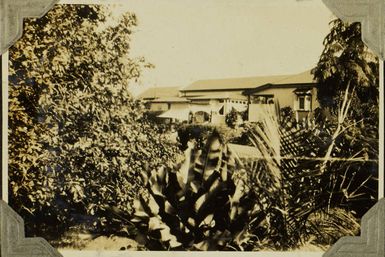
(248, 82)
(301, 78)
(158, 92)
(224, 95)
(171, 99)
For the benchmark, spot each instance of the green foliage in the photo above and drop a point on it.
(329, 226)
(347, 62)
(78, 140)
(199, 133)
(298, 183)
(203, 205)
(233, 118)
(287, 116)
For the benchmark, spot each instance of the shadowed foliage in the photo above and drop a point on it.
(202, 205)
(347, 62)
(299, 184)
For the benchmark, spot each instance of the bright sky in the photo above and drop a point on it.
(188, 40)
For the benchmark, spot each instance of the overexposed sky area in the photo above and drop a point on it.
(189, 40)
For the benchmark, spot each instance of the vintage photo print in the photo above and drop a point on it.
(192, 126)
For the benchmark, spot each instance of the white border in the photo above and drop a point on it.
(183, 254)
(4, 148)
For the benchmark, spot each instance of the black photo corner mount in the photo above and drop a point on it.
(371, 243)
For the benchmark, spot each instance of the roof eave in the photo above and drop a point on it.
(216, 90)
(268, 86)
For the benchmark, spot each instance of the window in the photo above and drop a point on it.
(301, 103)
(304, 103)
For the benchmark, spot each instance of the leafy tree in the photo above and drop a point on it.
(347, 62)
(78, 140)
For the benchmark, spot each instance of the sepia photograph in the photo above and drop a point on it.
(181, 125)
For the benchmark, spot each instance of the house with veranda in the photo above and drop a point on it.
(209, 101)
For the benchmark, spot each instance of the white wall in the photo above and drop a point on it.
(255, 112)
(286, 98)
(179, 105)
(166, 106)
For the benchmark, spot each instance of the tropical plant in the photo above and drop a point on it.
(202, 205)
(346, 63)
(298, 191)
(306, 173)
(327, 226)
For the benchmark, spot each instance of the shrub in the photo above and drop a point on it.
(233, 118)
(287, 117)
(201, 132)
